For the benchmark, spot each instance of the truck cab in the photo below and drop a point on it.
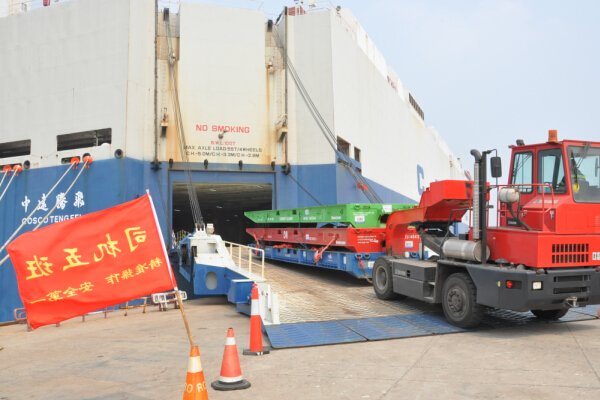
(566, 195)
(556, 221)
(543, 256)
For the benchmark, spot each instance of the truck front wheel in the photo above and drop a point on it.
(550, 314)
(382, 280)
(459, 296)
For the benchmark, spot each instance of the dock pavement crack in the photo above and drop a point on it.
(428, 347)
(582, 352)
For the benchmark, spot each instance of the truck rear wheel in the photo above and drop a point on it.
(550, 314)
(459, 296)
(382, 280)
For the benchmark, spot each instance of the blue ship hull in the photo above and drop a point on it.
(108, 183)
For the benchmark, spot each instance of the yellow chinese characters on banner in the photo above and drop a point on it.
(128, 273)
(40, 267)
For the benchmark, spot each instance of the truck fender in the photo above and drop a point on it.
(387, 259)
(443, 271)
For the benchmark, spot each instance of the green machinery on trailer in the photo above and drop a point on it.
(343, 236)
(356, 215)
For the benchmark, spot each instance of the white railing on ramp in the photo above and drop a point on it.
(237, 252)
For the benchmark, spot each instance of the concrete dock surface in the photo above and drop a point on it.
(145, 356)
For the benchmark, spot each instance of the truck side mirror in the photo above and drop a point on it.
(597, 168)
(496, 167)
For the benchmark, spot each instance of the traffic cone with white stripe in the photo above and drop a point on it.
(231, 372)
(195, 387)
(256, 345)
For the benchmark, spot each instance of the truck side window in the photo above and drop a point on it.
(522, 171)
(551, 170)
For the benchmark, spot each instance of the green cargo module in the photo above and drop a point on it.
(356, 215)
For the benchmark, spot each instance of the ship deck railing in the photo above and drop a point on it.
(238, 254)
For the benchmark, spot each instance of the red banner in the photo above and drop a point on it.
(95, 261)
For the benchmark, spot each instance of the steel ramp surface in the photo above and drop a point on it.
(385, 328)
(434, 323)
(401, 326)
(311, 334)
(589, 310)
(313, 294)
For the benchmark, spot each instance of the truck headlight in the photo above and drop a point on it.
(536, 286)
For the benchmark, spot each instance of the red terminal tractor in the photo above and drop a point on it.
(543, 256)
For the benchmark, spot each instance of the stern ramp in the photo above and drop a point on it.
(317, 306)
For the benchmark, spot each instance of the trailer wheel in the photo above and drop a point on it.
(382, 280)
(459, 296)
(550, 314)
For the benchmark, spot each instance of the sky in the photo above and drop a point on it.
(487, 73)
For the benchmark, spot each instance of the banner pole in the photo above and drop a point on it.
(162, 242)
(185, 321)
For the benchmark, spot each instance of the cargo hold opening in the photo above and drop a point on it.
(223, 205)
(82, 140)
(15, 149)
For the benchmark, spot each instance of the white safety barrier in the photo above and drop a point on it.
(268, 306)
(163, 299)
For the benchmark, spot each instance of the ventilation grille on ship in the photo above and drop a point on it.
(570, 253)
(413, 103)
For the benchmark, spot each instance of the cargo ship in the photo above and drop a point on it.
(247, 111)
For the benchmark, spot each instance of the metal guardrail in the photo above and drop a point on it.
(163, 299)
(144, 304)
(159, 299)
(20, 315)
(174, 5)
(180, 235)
(105, 312)
(241, 261)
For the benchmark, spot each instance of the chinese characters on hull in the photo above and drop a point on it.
(61, 201)
(61, 204)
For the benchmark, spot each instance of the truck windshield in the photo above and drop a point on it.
(584, 168)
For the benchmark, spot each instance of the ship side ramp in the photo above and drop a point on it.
(316, 306)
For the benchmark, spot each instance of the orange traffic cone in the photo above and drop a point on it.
(195, 387)
(231, 372)
(256, 346)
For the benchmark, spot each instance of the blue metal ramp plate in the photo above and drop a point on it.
(384, 328)
(401, 326)
(589, 310)
(311, 334)
(575, 316)
(506, 319)
(435, 323)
